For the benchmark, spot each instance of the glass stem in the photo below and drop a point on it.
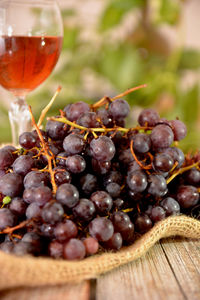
(20, 119)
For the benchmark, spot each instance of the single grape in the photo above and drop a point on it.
(115, 242)
(141, 142)
(46, 230)
(122, 224)
(18, 206)
(177, 155)
(88, 184)
(65, 230)
(55, 249)
(143, 223)
(35, 179)
(56, 130)
(105, 119)
(119, 109)
(40, 195)
(35, 240)
(91, 245)
(187, 196)
(7, 218)
(61, 176)
(125, 157)
(192, 177)
(102, 148)
(67, 194)
(75, 164)
(101, 229)
(161, 136)
(2, 173)
(11, 149)
(163, 162)
(137, 181)
(157, 214)
(75, 110)
(84, 210)
(6, 158)
(102, 201)
(52, 212)
(179, 129)
(100, 167)
(157, 185)
(61, 161)
(33, 211)
(113, 176)
(44, 135)
(27, 140)
(113, 189)
(74, 249)
(22, 248)
(88, 120)
(7, 247)
(118, 203)
(133, 166)
(73, 144)
(11, 185)
(171, 206)
(148, 117)
(23, 165)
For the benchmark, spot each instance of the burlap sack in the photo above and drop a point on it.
(31, 271)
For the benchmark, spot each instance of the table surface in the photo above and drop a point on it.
(170, 270)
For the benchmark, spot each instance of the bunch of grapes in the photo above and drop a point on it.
(87, 183)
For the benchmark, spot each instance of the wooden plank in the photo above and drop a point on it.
(68, 292)
(184, 259)
(150, 277)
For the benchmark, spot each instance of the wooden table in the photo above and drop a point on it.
(170, 270)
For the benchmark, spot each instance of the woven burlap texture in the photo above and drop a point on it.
(31, 271)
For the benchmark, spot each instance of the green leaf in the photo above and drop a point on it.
(6, 200)
(71, 36)
(190, 59)
(115, 11)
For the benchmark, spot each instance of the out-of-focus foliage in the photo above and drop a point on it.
(143, 55)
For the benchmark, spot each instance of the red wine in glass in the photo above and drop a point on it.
(25, 62)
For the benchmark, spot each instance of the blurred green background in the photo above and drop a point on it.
(118, 44)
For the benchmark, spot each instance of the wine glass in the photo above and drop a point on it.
(31, 34)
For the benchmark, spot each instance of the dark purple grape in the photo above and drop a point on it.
(61, 176)
(18, 206)
(113, 189)
(120, 122)
(148, 117)
(161, 137)
(56, 130)
(35, 179)
(23, 165)
(101, 229)
(22, 248)
(91, 245)
(192, 177)
(171, 206)
(44, 135)
(137, 181)
(122, 224)
(115, 242)
(47, 230)
(179, 129)
(157, 214)
(119, 109)
(35, 240)
(11, 185)
(7, 219)
(6, 158)
(143, 223)
(75, 164)
(2, 173)
(177, 155)
(27, 140)
(52, 212)
(6, 247)
(113, 176)
(55, 249)
(103, 116)
(33, 211)
(68, 195)
(141, 142)
(75, 110)
(74, 250)
(84, 210)
(61, 161)
(11, 149)
(88, 184)
(102, 148)
(88, 120)
(102, 201)
(99, 167)
(187, 196)
(40, 195)
(73, 144)
(118, 203)
(157, 185)
(125, 157)
(133, 166)
(163, 162)
(65, 230)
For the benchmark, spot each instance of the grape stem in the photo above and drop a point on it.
(46, 109)
(182, 170)
(46, 151)
(11, 229)
(148, 167)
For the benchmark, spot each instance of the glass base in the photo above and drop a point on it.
(20, 119)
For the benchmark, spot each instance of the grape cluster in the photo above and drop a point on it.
(87, 183)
